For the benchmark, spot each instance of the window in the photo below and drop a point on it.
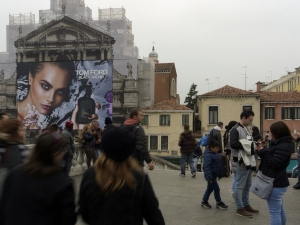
(147, 141)
(153, 142)
(247, 107)
(185, 119)
(164, 142)
(269, 113)
(287, 113)
(145, 121)
(213, 114)
(297, 113)
(164, 120)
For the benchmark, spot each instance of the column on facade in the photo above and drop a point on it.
(78, 54)
(24, 57)
(102, 53)
(108, 54)
(84, 54)
(40, 56)
(46, 55)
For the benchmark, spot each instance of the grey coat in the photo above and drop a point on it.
(70, 141)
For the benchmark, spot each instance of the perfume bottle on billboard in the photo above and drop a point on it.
(86, 107)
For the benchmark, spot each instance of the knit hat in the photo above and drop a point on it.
(118, 144)
(69, 124)
(108, 120)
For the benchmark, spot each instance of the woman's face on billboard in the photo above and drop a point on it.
(48, 88)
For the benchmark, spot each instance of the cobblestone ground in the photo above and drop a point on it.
(180, 201)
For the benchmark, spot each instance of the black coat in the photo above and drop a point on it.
(187, 142)
(123, 207)
(89, 139)
(27, 200)
(141, 152)
(275, 160)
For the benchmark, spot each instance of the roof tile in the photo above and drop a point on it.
(280, 97)
(166, 105)
(228, 91)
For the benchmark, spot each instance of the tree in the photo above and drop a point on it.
(191, 98)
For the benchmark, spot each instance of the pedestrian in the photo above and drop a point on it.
(89, 144)
(116, 190)
(274, 161)
(213, 170)
(132, 124)
(97, 132)
(197, 154)
(187, 143)
(243, 174)
(70, 145)
(256, 138)
(227, 149)
(216, 135)
(39, 192)
(13, 152)
(108, 124)
(297, 185)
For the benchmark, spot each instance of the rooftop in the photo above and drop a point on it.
(280, 97)
(229, 91)
(180, 201)
(166, 105)
(164, 66)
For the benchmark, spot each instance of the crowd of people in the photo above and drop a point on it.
(36, 186)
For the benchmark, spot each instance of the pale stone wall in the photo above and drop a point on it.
(173, 131)
(228, 109)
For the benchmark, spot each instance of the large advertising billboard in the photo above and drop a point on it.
(54, 92)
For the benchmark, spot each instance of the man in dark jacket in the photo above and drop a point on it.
(70, 145)
(216, 135)
(108, 124)
(187, 143)
(132, 124)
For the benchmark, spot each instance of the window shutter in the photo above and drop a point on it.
(292, 113)
(282, 113)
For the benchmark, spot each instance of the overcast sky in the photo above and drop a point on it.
(204, 38)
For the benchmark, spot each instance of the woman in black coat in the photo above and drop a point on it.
(115, 190)
(39, 192)
(274, 161)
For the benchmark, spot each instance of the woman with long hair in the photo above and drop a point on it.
(39, 192)
(116, 190)
(49, 86)
(274, 161)
(89, 144)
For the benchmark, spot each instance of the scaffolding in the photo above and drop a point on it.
(21, 19)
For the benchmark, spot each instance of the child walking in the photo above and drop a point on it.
(213, 169)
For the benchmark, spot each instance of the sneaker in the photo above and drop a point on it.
(250, 209)
(205, 205)
(297, 186)
(243, 213)
(221, 205)
(182, 174)
(193, 174)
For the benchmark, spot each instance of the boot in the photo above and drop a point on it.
(297, 186)
(243, 213)
(250, 209)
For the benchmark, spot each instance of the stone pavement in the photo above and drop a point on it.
(180, 201)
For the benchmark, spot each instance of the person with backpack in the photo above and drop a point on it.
(215, 134)
(132, 124)
(187, 143)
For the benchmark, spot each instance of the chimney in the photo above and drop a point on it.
(258, 86)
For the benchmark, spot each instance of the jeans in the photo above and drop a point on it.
(233, 182)
(212, 187)
(242, 185)
(275, 205)
(195, 161)
(187, 157)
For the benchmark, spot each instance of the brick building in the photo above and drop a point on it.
(276, 106)
(165, 87)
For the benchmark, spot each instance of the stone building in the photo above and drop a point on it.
(67, 31)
